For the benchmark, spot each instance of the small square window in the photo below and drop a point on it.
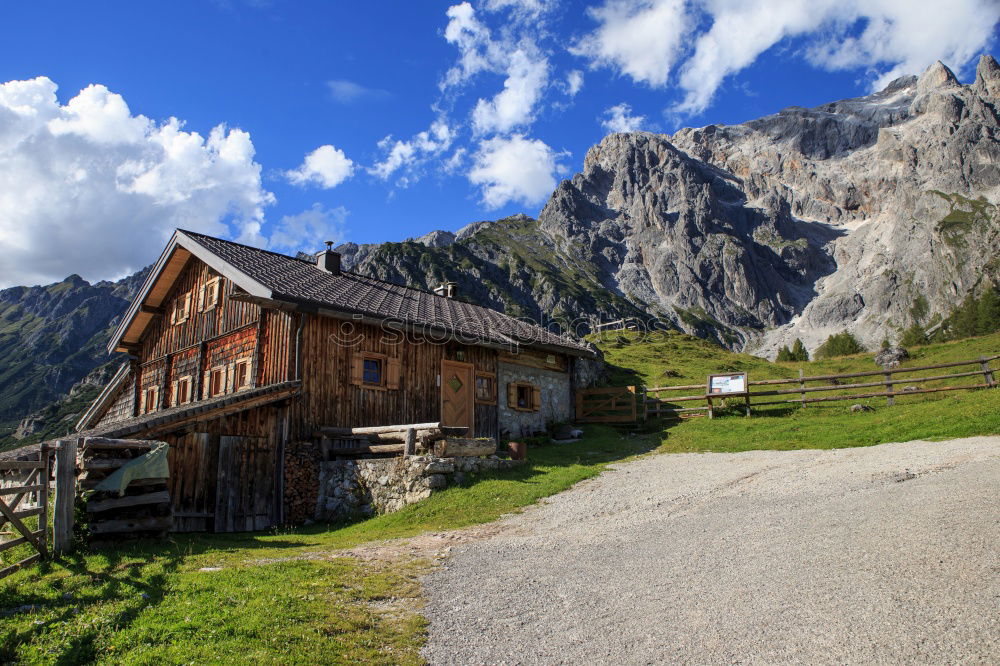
(216, 382)
(486, 388)
(241, 374)
(210, 295)
(182, 309)
(372, 372)
(524, 396)
(182, 391)
(149, 399)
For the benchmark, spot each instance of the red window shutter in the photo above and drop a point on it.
(536, 398)
(357, 368)
(392, 372)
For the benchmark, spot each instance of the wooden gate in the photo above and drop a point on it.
(614, 404)
(24, 493)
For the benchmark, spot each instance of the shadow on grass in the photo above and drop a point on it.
(131, 579)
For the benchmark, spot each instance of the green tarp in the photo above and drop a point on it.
(153, 465)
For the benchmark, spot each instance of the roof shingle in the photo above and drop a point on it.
(301, 281)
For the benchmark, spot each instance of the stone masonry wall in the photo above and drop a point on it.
(349, 488)
(556, 400)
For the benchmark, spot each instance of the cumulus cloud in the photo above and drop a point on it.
(326, 166)
(405, 156)
(574, 82)
(645, 39)
(308, 230)
(514, 105)
(514, 54)
(88, 187)
(619, 118)
(348, 92)
(514, 169)
(641, 39)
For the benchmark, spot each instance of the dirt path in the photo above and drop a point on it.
(884, 554)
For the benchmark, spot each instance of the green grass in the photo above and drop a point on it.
(282, 597)
(294, 596)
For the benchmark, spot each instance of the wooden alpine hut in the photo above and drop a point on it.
(234, 352)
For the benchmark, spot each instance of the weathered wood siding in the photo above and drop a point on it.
(239, 490)
(329, 398)
(120, 406)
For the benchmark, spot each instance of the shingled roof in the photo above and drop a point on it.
(298, 281)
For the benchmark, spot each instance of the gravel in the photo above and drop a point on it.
(884, 554)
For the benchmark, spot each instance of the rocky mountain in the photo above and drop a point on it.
(52, 351)
(800, 224)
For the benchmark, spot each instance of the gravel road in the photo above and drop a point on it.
(884, 554)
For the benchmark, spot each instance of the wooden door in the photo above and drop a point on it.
(193, 471)
(458, 395)
(247, 493)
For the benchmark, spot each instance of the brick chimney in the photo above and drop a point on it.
(328, 260)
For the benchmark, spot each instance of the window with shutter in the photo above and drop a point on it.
(241, 374)
(524, 397)
(393, 368)
(486, 388)
(370, 370)
(210, 295)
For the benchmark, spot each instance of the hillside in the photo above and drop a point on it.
(53, 359)
(672, 358)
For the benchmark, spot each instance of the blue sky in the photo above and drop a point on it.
(101, 181)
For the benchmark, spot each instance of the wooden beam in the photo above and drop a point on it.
(132, 525)
(151, 310)
(161, 497)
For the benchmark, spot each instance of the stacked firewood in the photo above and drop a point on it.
(301, 481)
(143, 510)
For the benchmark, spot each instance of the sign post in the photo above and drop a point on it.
(730, 385)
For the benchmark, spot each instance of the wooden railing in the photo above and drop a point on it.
(615, 404)
(658, 402)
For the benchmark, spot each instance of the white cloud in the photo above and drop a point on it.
(87, 187)
(407, 155)
(326, 166)
(574, 82)
(308, 230)
(639, 38)
(514, 105)
(620, 119)
(514, 169)
(348, 92)
(476, 49)
(647, 39)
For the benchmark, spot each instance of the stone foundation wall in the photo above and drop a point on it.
(349, 488)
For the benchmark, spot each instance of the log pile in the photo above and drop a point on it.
(301, 482)
(384, 440)
(143, 510)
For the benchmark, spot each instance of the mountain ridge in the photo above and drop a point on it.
(800, 224)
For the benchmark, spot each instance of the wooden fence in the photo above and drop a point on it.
(615, 404)
(25, 486)
(657, 401)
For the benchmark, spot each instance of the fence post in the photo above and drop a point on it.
(802, 385)
(987, 373)
(410, 442)
(632, 390)
(888, 388)
(43, 499)
(62, 519)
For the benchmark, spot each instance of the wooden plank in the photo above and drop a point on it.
(160, 497)
(105, 463)
(7, 545)
(65, 499)
(90, 484)
(10, 465)
(224, 487)
(157, 523)
(875, 395)
(13, 490)
(20, 565)
(28, 513)
(36, 540)
(375, 430)
(115, 444)
(844, 387)
(461, 447)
